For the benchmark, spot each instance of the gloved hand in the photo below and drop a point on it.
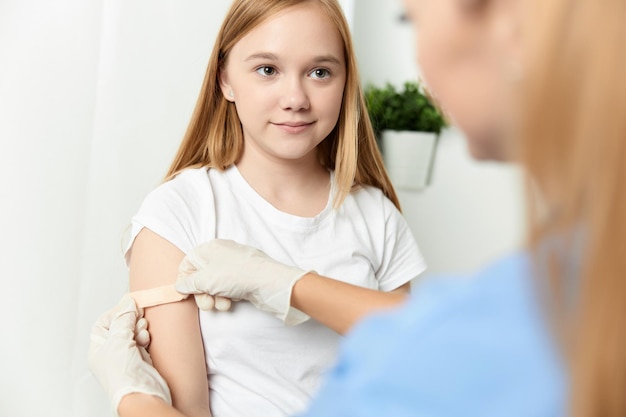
(227, 269)
(142, 337)
(118, 363)
(204, 301)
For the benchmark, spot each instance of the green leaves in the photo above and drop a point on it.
(409, 109)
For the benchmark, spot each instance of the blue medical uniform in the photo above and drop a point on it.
(462, 346)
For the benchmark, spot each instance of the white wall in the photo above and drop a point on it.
(94, 98)
(470, 215)
(47, 91)
(472, 212)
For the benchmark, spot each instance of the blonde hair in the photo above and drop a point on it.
(573, 146)
(214, 137)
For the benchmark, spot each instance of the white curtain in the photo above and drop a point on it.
(94, 98)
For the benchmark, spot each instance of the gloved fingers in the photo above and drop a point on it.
(199, 257)
(208, 302)
(192, 277)
(100, 330)
(142, 336)
(125, 316)
(196, 259)
(204, 301)
(186, 267)
(145, 356)
(191, 284)
(127, 305)
(222, 303)
(142, 324)
(189, 279)
(102, 326)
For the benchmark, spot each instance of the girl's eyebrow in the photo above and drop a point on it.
(262, 55)
(327, 59)
(268, 56)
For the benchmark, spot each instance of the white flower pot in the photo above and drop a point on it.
(409, 158)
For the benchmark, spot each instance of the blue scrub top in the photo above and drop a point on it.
(462, 346)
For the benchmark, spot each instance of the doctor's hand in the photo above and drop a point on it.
(223, 268)
(204, 301)
(117, 358)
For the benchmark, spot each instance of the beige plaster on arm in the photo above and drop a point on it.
(157, 296)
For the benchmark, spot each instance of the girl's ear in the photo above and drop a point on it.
(227, 90)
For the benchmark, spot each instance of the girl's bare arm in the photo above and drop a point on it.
(176, 343)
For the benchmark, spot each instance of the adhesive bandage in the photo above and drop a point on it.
(157, 296)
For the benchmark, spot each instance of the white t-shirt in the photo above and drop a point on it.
(256, 365)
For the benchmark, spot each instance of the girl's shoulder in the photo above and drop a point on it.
(372, 198)
(192, 188)
(189, 179)
(181, 210)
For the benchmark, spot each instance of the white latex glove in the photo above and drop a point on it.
(227, 269)
(142, 337)
(118, 363)
(203, 301)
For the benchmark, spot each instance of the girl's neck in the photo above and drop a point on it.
(299, 187)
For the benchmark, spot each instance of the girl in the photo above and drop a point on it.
(280, 155)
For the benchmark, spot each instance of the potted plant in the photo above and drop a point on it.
(407, 125)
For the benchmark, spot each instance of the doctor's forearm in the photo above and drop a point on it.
(142, 405)
(339, 305)
(139, 405)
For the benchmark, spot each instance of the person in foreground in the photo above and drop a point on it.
(538, 333)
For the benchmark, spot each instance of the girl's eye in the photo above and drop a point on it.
(321, 73)
(266, 71)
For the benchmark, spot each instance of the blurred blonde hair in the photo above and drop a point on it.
(573, 146)
(214, 137)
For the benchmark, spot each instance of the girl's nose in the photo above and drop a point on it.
(294, 96)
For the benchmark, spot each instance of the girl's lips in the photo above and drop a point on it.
(295, 127)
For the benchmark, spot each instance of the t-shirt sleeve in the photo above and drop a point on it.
(401, 260)
(181, 211)
(456, 349)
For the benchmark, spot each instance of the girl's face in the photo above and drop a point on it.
(286, 78)
(463, 51)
